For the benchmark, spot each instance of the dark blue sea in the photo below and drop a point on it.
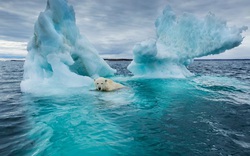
(207, 114)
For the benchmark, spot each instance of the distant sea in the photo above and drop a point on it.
(207, 114)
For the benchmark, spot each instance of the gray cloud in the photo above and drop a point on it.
(115, 26)
(18, 17)
(235, 12)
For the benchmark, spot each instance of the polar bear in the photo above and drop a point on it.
(104, 84)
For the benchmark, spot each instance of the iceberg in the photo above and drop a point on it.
(180, 39)
(58, 55)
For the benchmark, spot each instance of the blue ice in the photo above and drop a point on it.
(179, 40)
(58, 55)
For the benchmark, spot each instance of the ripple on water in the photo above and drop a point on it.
(204, 115)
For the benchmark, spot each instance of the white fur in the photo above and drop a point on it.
(104, 84)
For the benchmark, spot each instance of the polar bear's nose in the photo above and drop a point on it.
(99, 88)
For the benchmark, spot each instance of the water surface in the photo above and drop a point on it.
(208, 114)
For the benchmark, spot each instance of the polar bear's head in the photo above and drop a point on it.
(101, 84)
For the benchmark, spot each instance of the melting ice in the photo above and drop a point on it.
(58, 55)
(179, 40)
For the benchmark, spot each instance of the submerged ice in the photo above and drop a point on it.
(58, 54)
(179, 40)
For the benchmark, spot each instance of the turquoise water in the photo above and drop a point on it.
(208, 114)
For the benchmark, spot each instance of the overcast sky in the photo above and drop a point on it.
(115, 26)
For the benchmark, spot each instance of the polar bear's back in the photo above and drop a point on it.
(113, 85)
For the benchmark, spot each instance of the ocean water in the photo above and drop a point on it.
(207, 114)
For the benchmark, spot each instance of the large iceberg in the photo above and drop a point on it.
(58, 55)
(179, 40)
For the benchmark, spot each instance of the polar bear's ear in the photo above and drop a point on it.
(106, 80)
